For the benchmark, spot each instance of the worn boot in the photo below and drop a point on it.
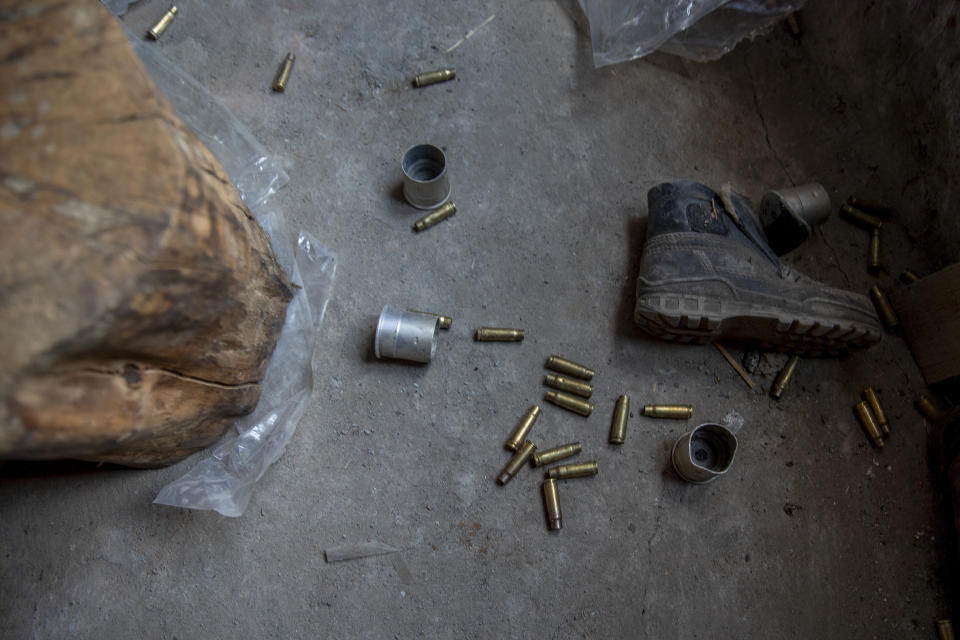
(707, 272)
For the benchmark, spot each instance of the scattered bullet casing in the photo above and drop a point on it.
(556, 454)
(928, 408)
(283, 74)
(860, 218)
(945, 629)
(869, 423)
(874, 208)
(569, 402)
(871, 397)
(618, 427)
(575, 387)
(793, 24)
(908, 277)
(562, 365)
(433, 77)
(884, 309)
(498, 334)
(445, 321)
(873, 255)
(574, 470)
(157, 30)
(516, 462)
(523, 428)
(673, 411)
(783, 378)
(551, 502)
(437, 215)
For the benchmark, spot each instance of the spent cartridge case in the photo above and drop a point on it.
(433, 77)
(945, 629)
(869, 423)
(928, 408)
(783, 378)
(569, 402)
(522, 430)
(672, 411)
(871, 397)
(576, 387)
(873, 254)
(884, 309)
(551, 503)
(499, 334)
(445, 321)
(556, 454)
(157, 30)
(439, 214)
(573, 470)
(516, 462)
(879, 210)
(908, 277)
(568, 367)
(618, 426)
(860, 218)
(283, 74)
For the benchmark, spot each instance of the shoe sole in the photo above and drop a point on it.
(698, 320)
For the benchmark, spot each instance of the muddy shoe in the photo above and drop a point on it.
(707, 272)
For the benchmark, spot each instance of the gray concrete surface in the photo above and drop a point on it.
(812, 534)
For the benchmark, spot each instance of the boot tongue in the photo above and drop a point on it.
(738, 210)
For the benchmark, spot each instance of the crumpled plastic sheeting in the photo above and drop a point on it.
(700, 30)
(224, 481)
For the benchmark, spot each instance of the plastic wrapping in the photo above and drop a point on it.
(224, 481)
(701, 30)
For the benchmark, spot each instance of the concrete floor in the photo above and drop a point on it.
(812, 534)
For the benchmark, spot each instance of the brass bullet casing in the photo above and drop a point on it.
(283, 74)
(499, 334)
(562, 365)
(523, 428)
(793, 24)
(928, 408)
(438, 215)
(516, 462)
(618, 427)
(884, 309)
(575, 387)
(945, 629)
(871, 397)
(873, 255)
(672, 411)
(556, 454)
(879, 210)
(573, 470)
(908, 277)
(569, 402)
(551, 502)
(445, 321)
(433, 77)
(860, 218)
(157, 30)
(869, 423)
(783, 378)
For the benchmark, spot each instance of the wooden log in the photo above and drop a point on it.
(139, 299)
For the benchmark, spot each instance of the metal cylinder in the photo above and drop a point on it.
(434, 217)
(516, 462)
(425, 181)
(879, 210)
(618, 426)
(433, 77)
(869, 423)
(945, 629)
(574, 470)
(551, 502)
(783, 378)
(556, 454)
(871, 397)
(789, 215)
(498, 334)
(908, 277)
(283, 74)
(445, 321)
(884, 309)
(672, 411)
(928, 408)
(157, 30)
(575, 387)
(523, 428)
(873, 254)
(562, 365)
(704, 454)
(406, 335)
(860, 218)
(569, 402)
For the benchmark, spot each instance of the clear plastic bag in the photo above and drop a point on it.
(224, 481)
(701, 30)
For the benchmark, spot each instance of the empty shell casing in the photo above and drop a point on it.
(569, 402)
(433, 77)
(562, 365)
(551, 502)
(673, 411)
(523, 428)
(783, 378)
(575, 387)
(884, 309)
(871, 397)
(860, 218)
(499, 334)
(793, 24)
(556, 454)
(879, 210)
(945, 629)
(908, 277)
(869, 423)
(283, 74)
(157, 30)
(618, 427)
(873, 255)
(928, 408)
(445, 321)
(573, 470)
(437, 215)
(516, 462)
